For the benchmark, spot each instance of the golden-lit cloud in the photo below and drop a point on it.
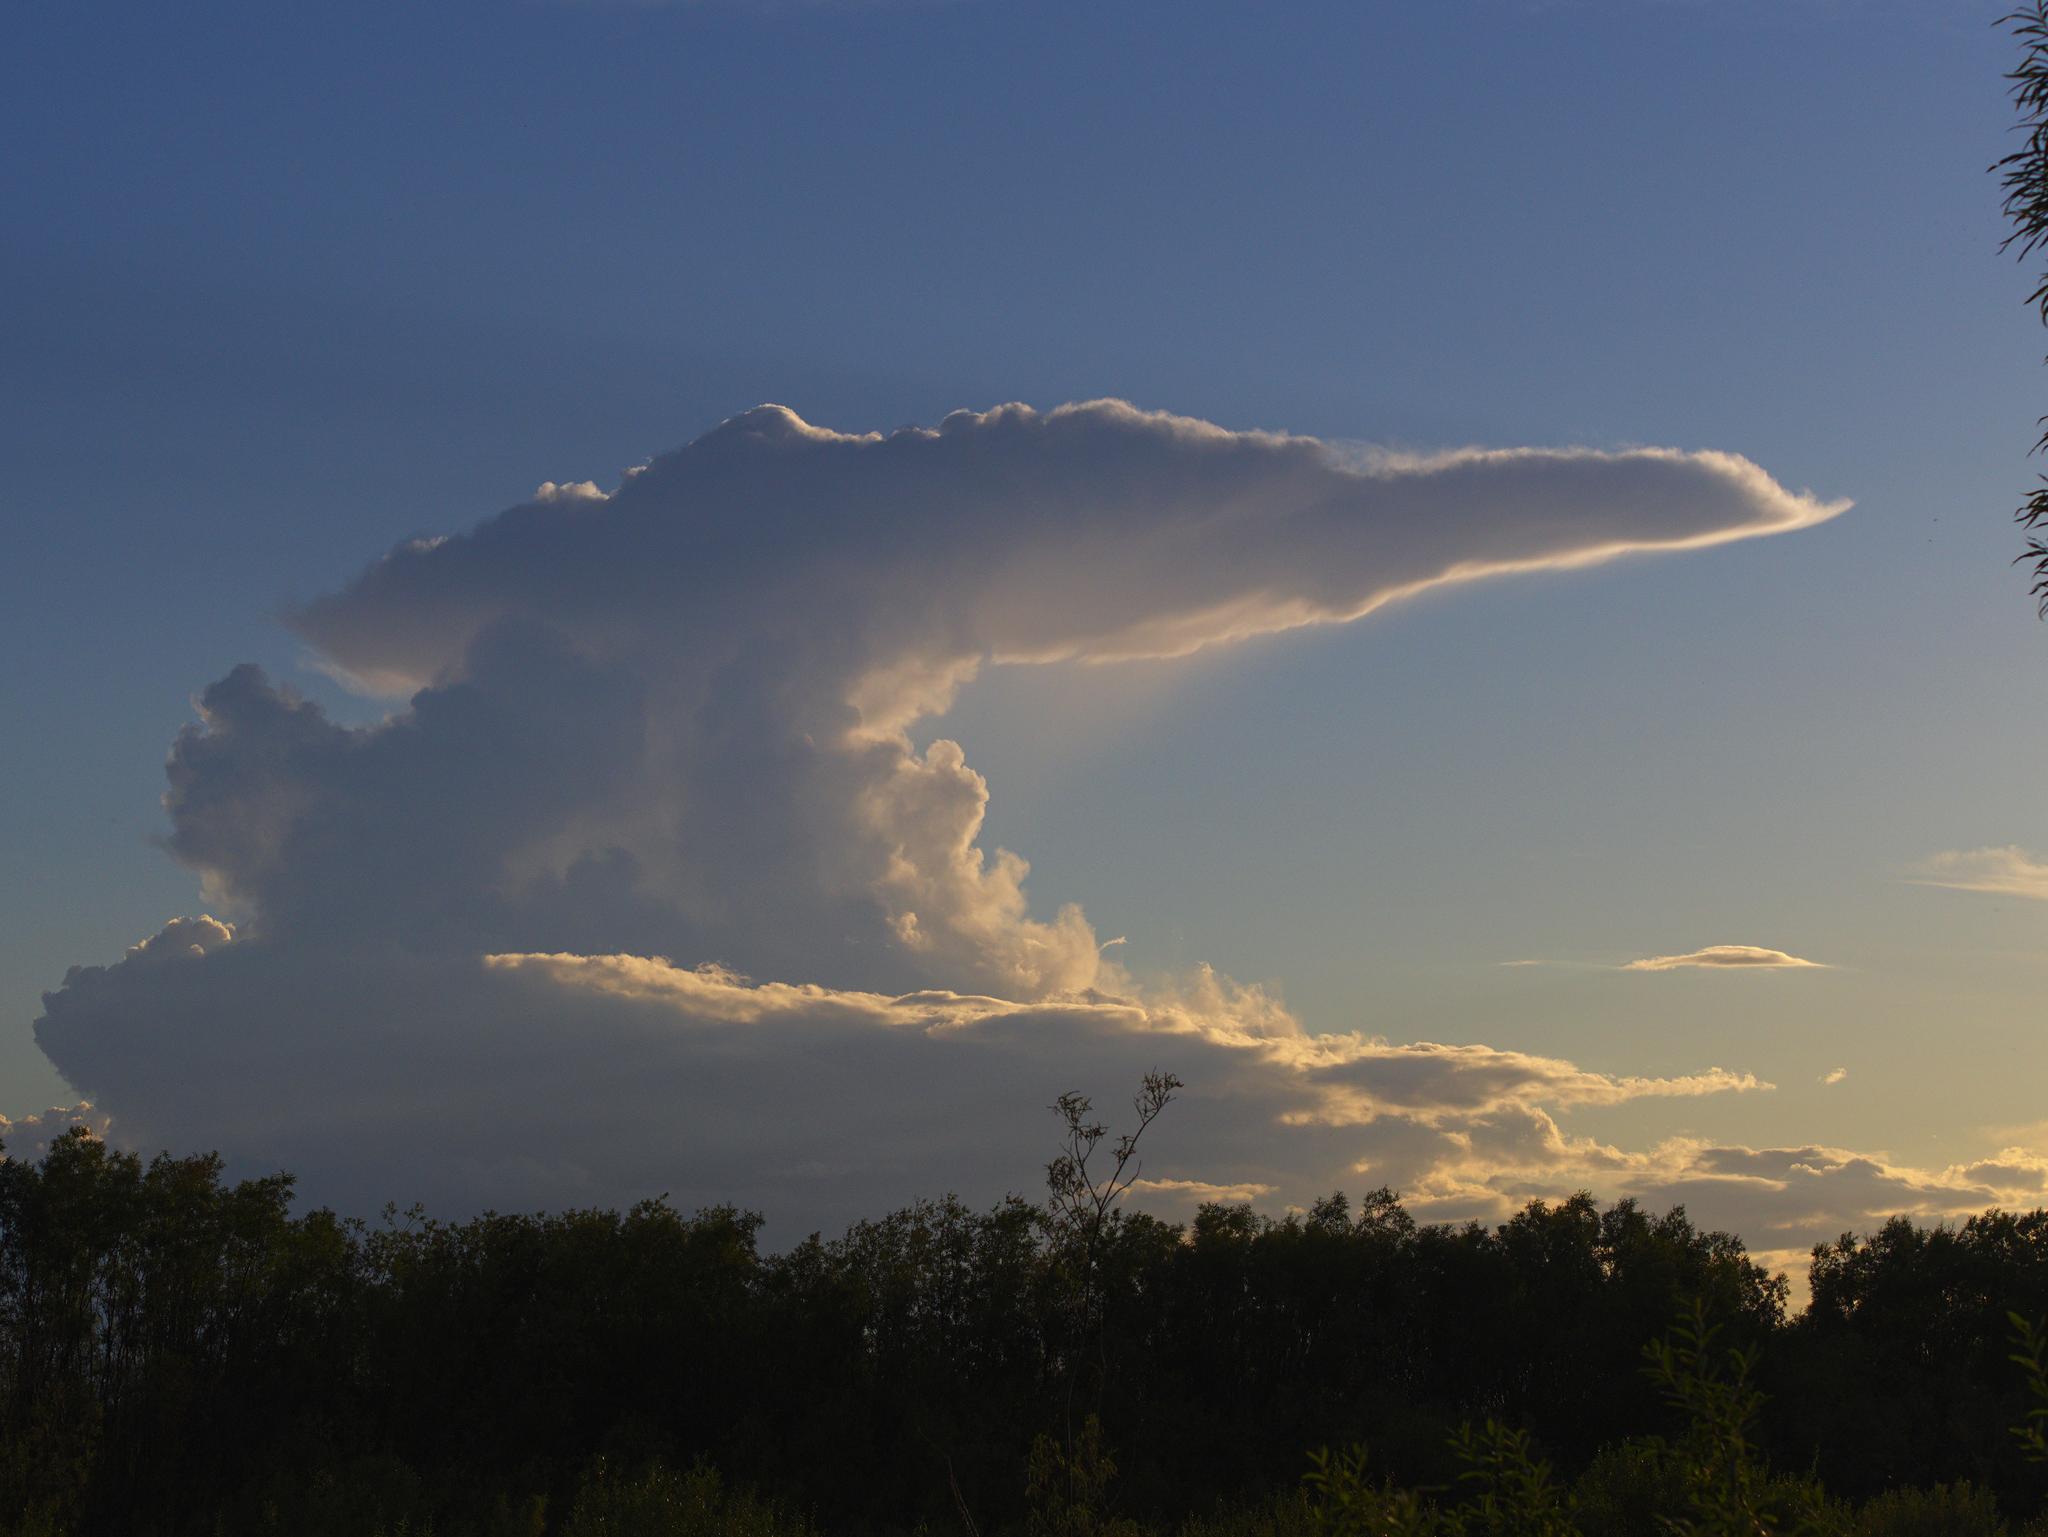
(30, 1136)
(595, 1078)
(1362, 1080)
(2008, 872)
(1726, 958)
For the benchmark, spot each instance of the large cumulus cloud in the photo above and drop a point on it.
(647, 884)
(694, 692)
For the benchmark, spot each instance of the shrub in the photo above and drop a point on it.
(1946, 1510)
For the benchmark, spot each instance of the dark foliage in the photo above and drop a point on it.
(1900, 1370)
(179, 1354)
(2024, 176)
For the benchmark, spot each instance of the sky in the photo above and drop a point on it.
(1462, 550)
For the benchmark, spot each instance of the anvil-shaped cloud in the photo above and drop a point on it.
(673, 720)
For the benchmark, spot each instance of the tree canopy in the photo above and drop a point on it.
(181, 1353)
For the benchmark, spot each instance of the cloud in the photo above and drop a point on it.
(1801, 1190)
(577, 1079)
(673, 719)
(2014, 1175)
(1199, 1190)
(1727, 958)
(1094, 531)
(1782, 1200)
(1833, 1076)
(1364, 1079)
(30, 1136)
(761, 616)
(587, 1079)
(2008, 872)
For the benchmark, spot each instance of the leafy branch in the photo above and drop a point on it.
(2031, 1355)
(2023, 175)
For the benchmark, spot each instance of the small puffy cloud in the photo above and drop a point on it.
(549, 491)
(182, 938)
(1834, 1075)
(1726, 958)
(28, 1137)
(2009, 872)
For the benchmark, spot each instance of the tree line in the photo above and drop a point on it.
(183, 1354)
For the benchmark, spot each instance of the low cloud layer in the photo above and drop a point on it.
(1726, 958)
(573, 1079)
(675, 720)
(2006, 872)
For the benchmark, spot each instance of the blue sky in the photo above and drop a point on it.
(291, 284)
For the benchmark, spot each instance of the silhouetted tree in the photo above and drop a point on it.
(2024, 176)
(180, 1354)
